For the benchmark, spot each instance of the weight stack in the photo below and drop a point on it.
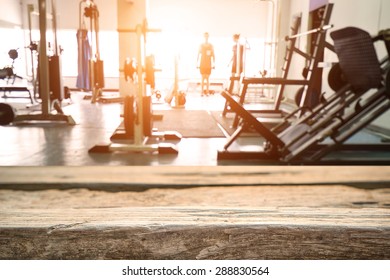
(147, 115)
(129, 117)
(55, 80)
(98, 68)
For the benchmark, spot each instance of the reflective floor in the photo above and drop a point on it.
(44, 144)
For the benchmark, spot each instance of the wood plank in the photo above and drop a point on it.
(168, 176)
(314, 196)
(182, 233)
(194, 216)
(251, 222)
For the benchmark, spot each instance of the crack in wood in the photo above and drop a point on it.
(64, 226)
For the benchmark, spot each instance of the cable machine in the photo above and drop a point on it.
(49, 76)
(138, 112)
(96, 65)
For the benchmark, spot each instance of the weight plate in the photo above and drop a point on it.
(7, 114)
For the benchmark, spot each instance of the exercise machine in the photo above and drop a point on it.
(9, 74)
(83, 51)
(176, 95)
(296, 24)
(91, 77)
(307, 85)
(49, 76)
(137, 132)
(325, 129)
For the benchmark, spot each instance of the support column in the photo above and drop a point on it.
(43, 61)
(130, 14)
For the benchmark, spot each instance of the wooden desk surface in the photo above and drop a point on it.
(223, 212)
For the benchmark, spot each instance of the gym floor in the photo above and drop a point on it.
(37, 144)
(59, 144)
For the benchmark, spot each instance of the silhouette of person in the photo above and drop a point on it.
(237, 58)
(205, 62)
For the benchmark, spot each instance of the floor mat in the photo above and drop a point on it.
(189, 123)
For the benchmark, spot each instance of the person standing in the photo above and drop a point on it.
(237, 58)
(206, 62)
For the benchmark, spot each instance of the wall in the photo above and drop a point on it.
(10, 13)
(218, 17)
(10, 28)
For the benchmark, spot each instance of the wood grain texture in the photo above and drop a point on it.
(195, 213)
(183, 233)
(130, 176)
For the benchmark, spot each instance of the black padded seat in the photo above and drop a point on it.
(357, 57)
